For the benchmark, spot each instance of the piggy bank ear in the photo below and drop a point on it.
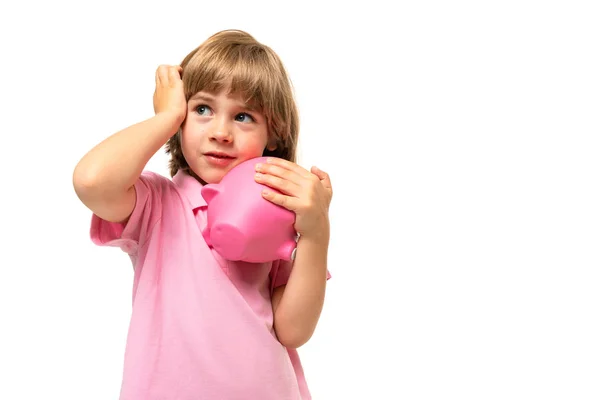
(209, 192)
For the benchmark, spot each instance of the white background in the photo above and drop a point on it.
(462, 142)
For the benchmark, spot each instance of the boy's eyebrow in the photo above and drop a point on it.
(208, 97)
(202, 96)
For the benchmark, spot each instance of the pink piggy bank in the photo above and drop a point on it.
(242, 225)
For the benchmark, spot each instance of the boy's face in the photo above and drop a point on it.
(220, 132)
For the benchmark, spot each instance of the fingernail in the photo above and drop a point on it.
(258, 166)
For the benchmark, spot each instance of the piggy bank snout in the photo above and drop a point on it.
(228, 240)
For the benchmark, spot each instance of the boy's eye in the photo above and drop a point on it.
(243, 117)
(202, 109)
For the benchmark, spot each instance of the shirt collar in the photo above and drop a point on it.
(191, 188)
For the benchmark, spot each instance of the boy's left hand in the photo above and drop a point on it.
(306, 193)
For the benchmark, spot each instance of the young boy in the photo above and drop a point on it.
(203, 327)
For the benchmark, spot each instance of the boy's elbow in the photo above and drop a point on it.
(84, 180)
(293, 342)
(293, 337)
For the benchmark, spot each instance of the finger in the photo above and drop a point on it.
(156, 76)
(283, 185)
(280, 162)
(280, 172)
(162, 75)
(323, 176)
(174, 75)
(290, 203)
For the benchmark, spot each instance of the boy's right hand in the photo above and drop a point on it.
(169, 96)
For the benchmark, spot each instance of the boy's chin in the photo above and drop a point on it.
(209, 177)
(202, 177)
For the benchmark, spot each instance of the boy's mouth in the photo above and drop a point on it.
(217, 154)
(218, 159)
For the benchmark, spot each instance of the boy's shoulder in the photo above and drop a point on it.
(155, 180)
(156, 186)
(149, 174)
(181, 186)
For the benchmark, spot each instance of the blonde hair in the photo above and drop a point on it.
(233, 59)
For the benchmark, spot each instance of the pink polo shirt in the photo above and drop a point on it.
(201, 326)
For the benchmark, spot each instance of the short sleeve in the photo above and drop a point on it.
(280, 273)
(146, 212)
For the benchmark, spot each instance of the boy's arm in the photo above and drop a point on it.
(297, 305)
(104, 178)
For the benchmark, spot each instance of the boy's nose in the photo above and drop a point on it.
(221, 136)
(221, 132)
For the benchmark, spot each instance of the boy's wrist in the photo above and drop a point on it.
(317, 237)
(170, 119)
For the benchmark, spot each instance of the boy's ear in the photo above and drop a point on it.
(272, 145)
